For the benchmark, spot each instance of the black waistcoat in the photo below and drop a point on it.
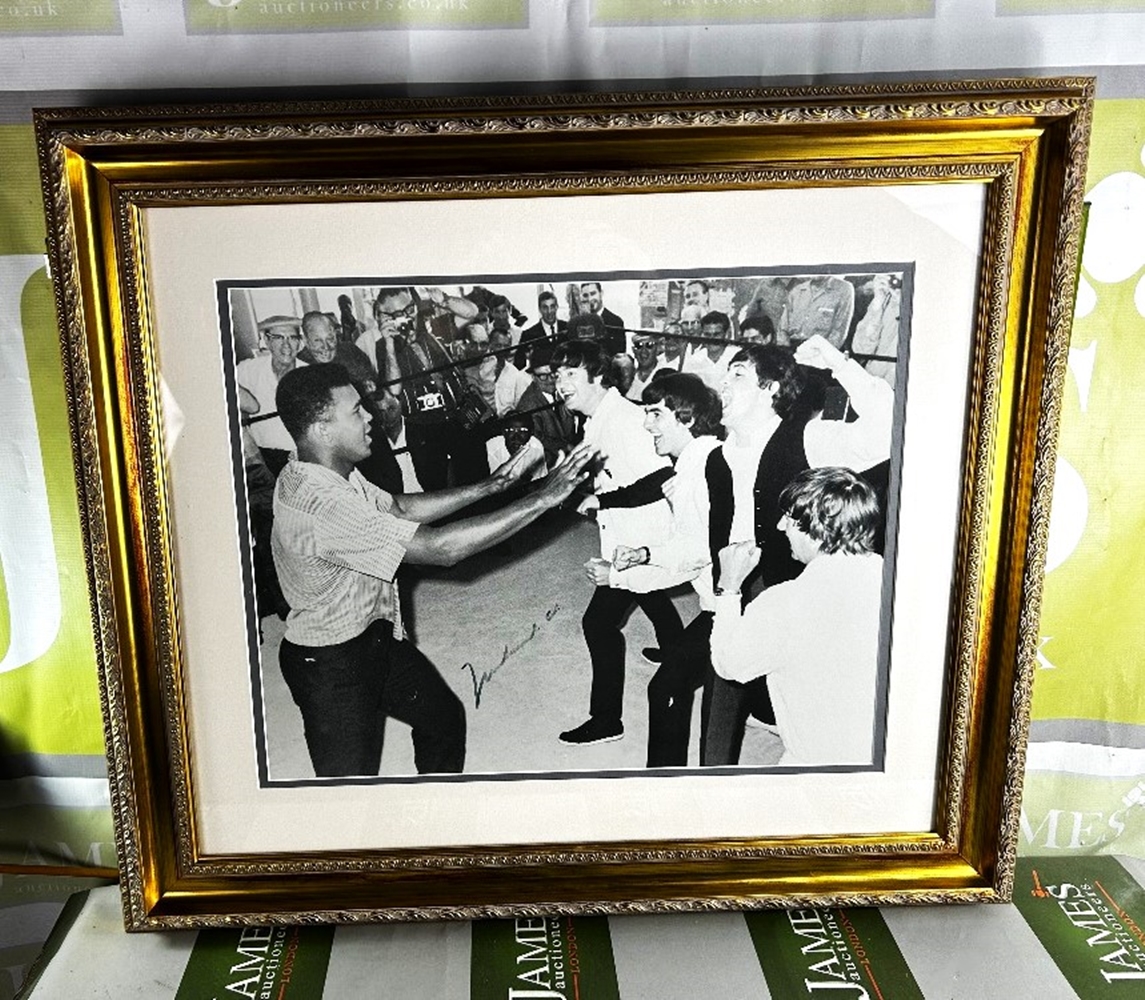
(783, 458)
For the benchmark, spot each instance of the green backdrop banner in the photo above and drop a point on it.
(284, 963)
(253, 16)
(662, 12)
(58, 17)
(1086, 764)
(847, 953)
(54, 802)
(1093, 630)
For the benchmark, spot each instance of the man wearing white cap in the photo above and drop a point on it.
(258, 379)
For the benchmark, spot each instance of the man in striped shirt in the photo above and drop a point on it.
(337, 543)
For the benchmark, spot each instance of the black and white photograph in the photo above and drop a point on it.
(513, 551)
(517, 526)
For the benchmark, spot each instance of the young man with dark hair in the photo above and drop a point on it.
(773, 435)
(756, 329)
(683, 417)
(815, 637)
(587, 326)
(337, 543)
(499, 309)
(630, 510)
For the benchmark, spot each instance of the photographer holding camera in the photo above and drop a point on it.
(414, 366)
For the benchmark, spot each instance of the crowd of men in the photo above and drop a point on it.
(706, 451)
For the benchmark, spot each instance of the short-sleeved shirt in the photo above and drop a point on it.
(257, 376)
(336, 547)
(823, 306)
(508, 389)
(699, 362)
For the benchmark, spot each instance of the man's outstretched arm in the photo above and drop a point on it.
(433, 506)
(448, 544)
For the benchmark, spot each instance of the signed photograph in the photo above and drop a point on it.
(549, 524)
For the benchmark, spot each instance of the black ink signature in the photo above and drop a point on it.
(479, 680)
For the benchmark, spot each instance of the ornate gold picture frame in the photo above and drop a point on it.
(174, 232)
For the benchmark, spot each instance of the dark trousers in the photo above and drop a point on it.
(345, 693)
(445, 454)
(602, 622)
(672, 693)
(727, 704)
(260, 502)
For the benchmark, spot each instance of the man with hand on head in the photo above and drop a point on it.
(773, 435)
(338, 541)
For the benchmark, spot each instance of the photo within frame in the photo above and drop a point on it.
(604, 606)
(167, 224)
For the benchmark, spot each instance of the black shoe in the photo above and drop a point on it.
(593, 731)
(652, 654)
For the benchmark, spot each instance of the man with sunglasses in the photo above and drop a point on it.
(258, 379)
(646, 349)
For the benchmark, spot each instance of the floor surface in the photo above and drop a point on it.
(503, 629)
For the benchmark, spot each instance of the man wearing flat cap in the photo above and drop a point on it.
(258, 378)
